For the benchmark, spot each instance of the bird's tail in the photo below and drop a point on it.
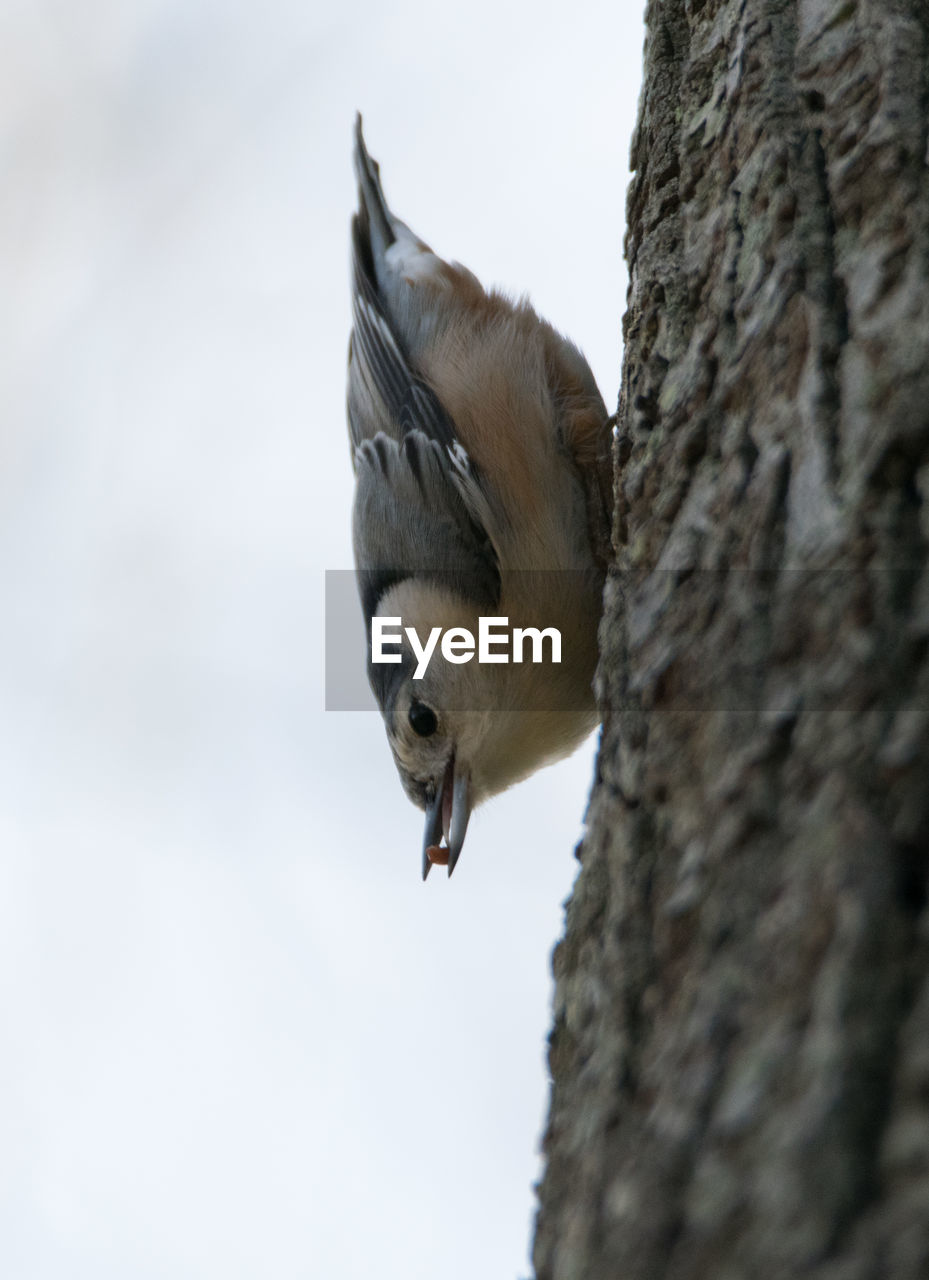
(371, 203)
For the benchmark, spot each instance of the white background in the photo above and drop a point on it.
(238, 1036)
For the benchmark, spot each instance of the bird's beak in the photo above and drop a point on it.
(460, 814)
(433, 829)
(447, 815)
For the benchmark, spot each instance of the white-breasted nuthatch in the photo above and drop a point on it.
(481, 448)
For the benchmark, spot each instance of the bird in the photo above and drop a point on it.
(481, 449)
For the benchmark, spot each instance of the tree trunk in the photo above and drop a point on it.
(741, 1043)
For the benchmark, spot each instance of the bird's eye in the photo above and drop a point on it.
(422, 719)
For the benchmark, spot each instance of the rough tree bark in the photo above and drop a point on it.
(741, 1043)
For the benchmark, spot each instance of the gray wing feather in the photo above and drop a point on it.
(412, 510)
(409, 519)
(384, 393)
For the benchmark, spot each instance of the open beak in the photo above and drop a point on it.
(447, 815)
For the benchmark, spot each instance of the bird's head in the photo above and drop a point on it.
(462, 731)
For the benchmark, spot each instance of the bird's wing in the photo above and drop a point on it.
(410, 519)
(384, 393)
(417, 500)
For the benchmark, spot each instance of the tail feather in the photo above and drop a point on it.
(372, 206)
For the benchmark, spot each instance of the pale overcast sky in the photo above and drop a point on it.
(238, 1036)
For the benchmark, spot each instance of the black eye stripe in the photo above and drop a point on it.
(422, 719)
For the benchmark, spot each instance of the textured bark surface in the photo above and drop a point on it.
(741, 1043)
